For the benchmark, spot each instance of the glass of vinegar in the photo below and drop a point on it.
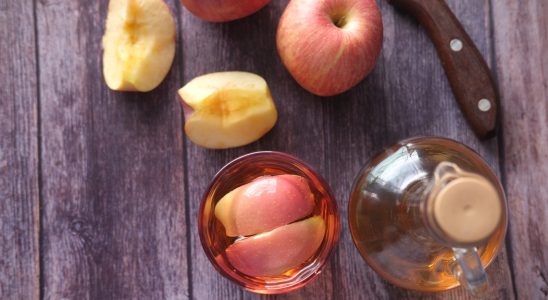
(244, 170)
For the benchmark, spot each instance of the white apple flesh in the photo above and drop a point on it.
(227, 109)
(329, 46)
(138, 44)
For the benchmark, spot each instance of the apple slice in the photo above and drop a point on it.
(264, 204)
(278, 251)
(227, 109)
(138, 45)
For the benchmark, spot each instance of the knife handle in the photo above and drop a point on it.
(468, 74)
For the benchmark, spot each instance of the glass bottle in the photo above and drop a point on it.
(428, 214)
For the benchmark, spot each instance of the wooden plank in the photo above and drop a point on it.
(112, 167)
(521, 40)
(406, 95)
(248, 45)
(19, 182)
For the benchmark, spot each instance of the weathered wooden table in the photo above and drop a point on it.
(99, 190)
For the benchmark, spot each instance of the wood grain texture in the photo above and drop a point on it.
(406, 95)
(116, 186)
(521, 41)
(112, 167)
(19, 183)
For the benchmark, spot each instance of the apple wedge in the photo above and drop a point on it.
(265, 204)
(227, 109)
(278, 251)
(138, 45)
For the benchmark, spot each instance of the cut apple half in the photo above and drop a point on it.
(275, 252)
(138, 45)
(264, 204)
(227, 109)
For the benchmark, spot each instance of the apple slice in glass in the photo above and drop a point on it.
(278, 251)
(264, 204)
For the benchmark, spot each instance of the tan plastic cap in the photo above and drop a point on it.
(467, 209)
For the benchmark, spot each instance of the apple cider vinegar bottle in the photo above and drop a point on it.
(428, 214)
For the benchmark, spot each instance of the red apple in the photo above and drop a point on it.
(264, 204)
(329, 46)
(278, 251)
(223, 10)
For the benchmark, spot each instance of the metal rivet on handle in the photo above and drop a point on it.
(484, 105)
(456, 45)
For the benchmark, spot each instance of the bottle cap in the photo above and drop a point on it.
(467, 210)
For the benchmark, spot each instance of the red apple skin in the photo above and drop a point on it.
(187, 110)
(280, 250)
(264, 204)
(223, 10)
(324, 59)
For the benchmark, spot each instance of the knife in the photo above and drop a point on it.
(468, 74)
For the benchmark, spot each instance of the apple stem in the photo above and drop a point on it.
(339, 20)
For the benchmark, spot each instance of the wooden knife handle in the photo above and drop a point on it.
(468, 74)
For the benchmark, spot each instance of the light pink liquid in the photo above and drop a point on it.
(244, 170)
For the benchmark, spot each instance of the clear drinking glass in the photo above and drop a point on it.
(241, 171)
